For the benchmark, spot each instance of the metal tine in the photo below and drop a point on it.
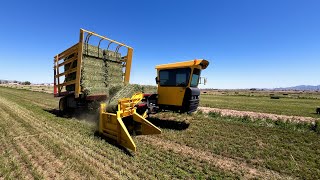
(107, 48)
(87, 41)
(99, 46)
(109, 45)
(117, 49)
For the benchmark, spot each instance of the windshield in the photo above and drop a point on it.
(195, 78)
(174, 77)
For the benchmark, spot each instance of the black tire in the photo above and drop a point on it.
(63, 105)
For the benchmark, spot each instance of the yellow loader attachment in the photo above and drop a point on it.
(117, 125)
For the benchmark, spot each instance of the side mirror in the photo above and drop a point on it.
(157, 81)
(203, 80)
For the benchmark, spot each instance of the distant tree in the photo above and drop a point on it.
(26, 83)
(15, 81)
(0, 81)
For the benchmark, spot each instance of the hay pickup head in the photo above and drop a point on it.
(126, 120)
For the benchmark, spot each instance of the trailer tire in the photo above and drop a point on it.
(63, 105)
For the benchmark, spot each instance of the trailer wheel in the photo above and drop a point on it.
(63, 105)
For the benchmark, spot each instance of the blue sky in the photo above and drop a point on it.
(249, 43)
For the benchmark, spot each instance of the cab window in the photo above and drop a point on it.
(174, 77)
(195, 78)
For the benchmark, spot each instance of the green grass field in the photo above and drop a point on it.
(265, 93)
(37, 88)
(284, 106)
(35, 143)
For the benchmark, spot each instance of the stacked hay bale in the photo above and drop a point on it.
(100, 71)
(93, 76)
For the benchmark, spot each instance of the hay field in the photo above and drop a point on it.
(37, 88)
(35, 143)
(291, 106)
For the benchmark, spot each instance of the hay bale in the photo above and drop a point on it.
(98, 75)
(101, 73)
(93, 76)
(120, 92)
(94, 51)
(100, 70)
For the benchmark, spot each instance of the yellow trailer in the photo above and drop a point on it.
(71, 97)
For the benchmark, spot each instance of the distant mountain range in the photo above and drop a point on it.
(301, 88)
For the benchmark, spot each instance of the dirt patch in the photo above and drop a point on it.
(257, 115)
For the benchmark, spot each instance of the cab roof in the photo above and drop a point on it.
(203, 63)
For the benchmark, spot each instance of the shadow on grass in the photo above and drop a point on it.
(315, 114)
(168, 124)
(93, 117)
(84, 114)
(79, 114)
(57, 113)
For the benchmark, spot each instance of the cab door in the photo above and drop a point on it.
(172, 84)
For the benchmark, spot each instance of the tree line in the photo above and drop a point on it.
(18, 82)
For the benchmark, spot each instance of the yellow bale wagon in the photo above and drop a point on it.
(177, 91)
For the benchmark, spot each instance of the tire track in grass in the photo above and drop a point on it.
(223, 163)
(55, 134)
